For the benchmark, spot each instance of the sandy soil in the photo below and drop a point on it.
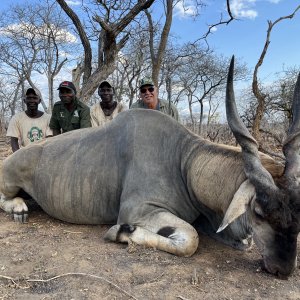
(50, 259)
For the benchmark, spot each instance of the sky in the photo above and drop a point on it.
(244, 37)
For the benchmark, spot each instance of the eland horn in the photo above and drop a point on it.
(291, 146)
(256, 173)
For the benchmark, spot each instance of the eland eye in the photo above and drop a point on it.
(258, 212)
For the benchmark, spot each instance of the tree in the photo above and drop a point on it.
(35, 45)
(201, 75)
(157, 58)
(8, 100)
(257, 90)
(132, 64)
(281, 95)
(108, 19)
(56, 44)
(19, 49)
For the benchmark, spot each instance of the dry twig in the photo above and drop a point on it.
(180, 297)
(72, 274)
(13, 281)
(8, 278)
(67, 231)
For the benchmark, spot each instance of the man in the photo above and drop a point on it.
(107, 109)
(150, 100)
(30, 125)
(69, 113)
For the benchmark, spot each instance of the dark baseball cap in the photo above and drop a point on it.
(105, 83)
(33, 91)
(68, 85)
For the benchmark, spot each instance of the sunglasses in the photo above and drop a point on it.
(144, 90)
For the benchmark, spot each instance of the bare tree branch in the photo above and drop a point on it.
(83, 37)
(221, 22)
(260, 96)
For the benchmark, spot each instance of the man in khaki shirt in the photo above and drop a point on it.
(149, 100)
(107, 109)
(30, 125)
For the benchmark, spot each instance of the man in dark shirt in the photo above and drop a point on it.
(69, 113)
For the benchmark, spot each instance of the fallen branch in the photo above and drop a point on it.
(72, 274)
(13, 281)
(8, 278)
(182, 298)
(67, 231)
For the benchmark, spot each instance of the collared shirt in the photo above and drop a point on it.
(163, 106)
(98, 118)
(65, 120)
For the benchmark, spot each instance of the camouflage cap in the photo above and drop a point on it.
(146, 81)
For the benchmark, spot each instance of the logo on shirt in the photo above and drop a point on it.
(35, 134)
(76, 114)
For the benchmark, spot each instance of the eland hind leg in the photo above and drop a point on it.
(163, 231)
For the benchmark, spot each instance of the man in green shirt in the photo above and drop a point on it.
(69, 113)
(150, 100)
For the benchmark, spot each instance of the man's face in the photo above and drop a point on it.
(149, 95)
(32, 101)
(66, 95)
(106, 94)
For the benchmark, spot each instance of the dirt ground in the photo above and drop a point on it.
(50, 259)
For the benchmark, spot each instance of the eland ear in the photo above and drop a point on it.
(239, 203)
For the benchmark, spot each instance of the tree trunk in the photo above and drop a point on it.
(157, 58)
(50, 94)
(191, 111)
(169, 91)
(201, 117)
(108, 44)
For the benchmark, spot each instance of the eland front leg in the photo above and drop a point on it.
(16, 207)
(11, 203)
